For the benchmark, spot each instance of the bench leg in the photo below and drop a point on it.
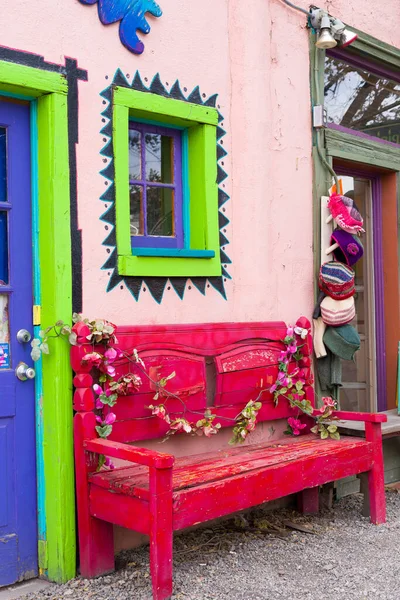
(308, 501)
(376, 476)
(96, 539)
(96, 547)
(161, 534)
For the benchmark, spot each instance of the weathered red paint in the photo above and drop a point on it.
(222, 366)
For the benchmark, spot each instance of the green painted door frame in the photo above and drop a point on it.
(53, 285)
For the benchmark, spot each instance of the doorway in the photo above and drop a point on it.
(18, 503)
(364, 380)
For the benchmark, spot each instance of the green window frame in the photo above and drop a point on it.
(201, 254)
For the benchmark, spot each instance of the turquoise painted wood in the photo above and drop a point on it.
(41, 487)
(18, 509)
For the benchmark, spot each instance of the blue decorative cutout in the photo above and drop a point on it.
(157, 285)
(131, 13)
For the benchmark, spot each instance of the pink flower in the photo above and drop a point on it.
(328, 402)
(283, 356)
(272, 389)
(290, 331)
(98, 419)
(296, 425)
(108, 463)
(112, 354)
(292, 348)
(98, 403)
(110, 418)
(93, 359)
(110, 370)
(97, 389)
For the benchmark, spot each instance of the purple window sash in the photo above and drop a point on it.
(153, 241)
(380, 336)
(367, 65)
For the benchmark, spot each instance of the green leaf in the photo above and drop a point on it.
(76, 318)
(109, 400)
(59, 323)
(299, 386)
(66, 330)
(41, 333)
(332, 428)
(44, 348)
(335, 436)
(36, 353)
(314, 429)
(48, 329)
(324, 434)
(104, 431)
(72, 338)
(102, 460)
(35, 343)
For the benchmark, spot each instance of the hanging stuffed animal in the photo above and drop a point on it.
(345, 213)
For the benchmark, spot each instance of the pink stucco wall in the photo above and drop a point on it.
(256, 58)
(255, 55)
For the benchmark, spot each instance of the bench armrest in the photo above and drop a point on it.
(344, 415)
(141, 456)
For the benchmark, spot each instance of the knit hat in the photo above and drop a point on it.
(336, 280)
(350, 248)
(337, 312)
(346, 213)
(342, 341)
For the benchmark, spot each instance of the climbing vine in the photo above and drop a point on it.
(290, 386)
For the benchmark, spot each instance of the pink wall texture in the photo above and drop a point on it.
(257, 59)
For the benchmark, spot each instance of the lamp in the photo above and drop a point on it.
(325, 39)
(331, 30)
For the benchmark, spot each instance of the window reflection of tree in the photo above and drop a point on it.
(358, 99)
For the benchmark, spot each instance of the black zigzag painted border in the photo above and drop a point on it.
(156, 285)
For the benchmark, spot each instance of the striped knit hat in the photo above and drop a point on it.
(336, 280)
(337, 312)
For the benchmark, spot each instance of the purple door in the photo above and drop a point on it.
(18, 518)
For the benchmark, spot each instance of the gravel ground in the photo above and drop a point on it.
(343, 557)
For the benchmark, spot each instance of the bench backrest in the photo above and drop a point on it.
(217, 365)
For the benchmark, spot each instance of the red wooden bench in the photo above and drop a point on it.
(218, 365)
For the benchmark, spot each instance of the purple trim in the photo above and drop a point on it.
(379, 294)
(364, 63)
(151, 241)
(380, 337)
(361, 134)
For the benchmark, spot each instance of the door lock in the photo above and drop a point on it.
(23, 336)
(23, 372)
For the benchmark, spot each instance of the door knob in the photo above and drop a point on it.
(23, 372)
(23, 336)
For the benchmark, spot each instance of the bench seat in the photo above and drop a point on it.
(211, 485)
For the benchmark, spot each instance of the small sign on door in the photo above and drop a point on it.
(4, 356)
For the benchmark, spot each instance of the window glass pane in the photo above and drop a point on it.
(159, 157)
(135, 160)
(358, 99)
(3, 248)
(3, 164)
(160, 211)
(354, 399)
(137, 220)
